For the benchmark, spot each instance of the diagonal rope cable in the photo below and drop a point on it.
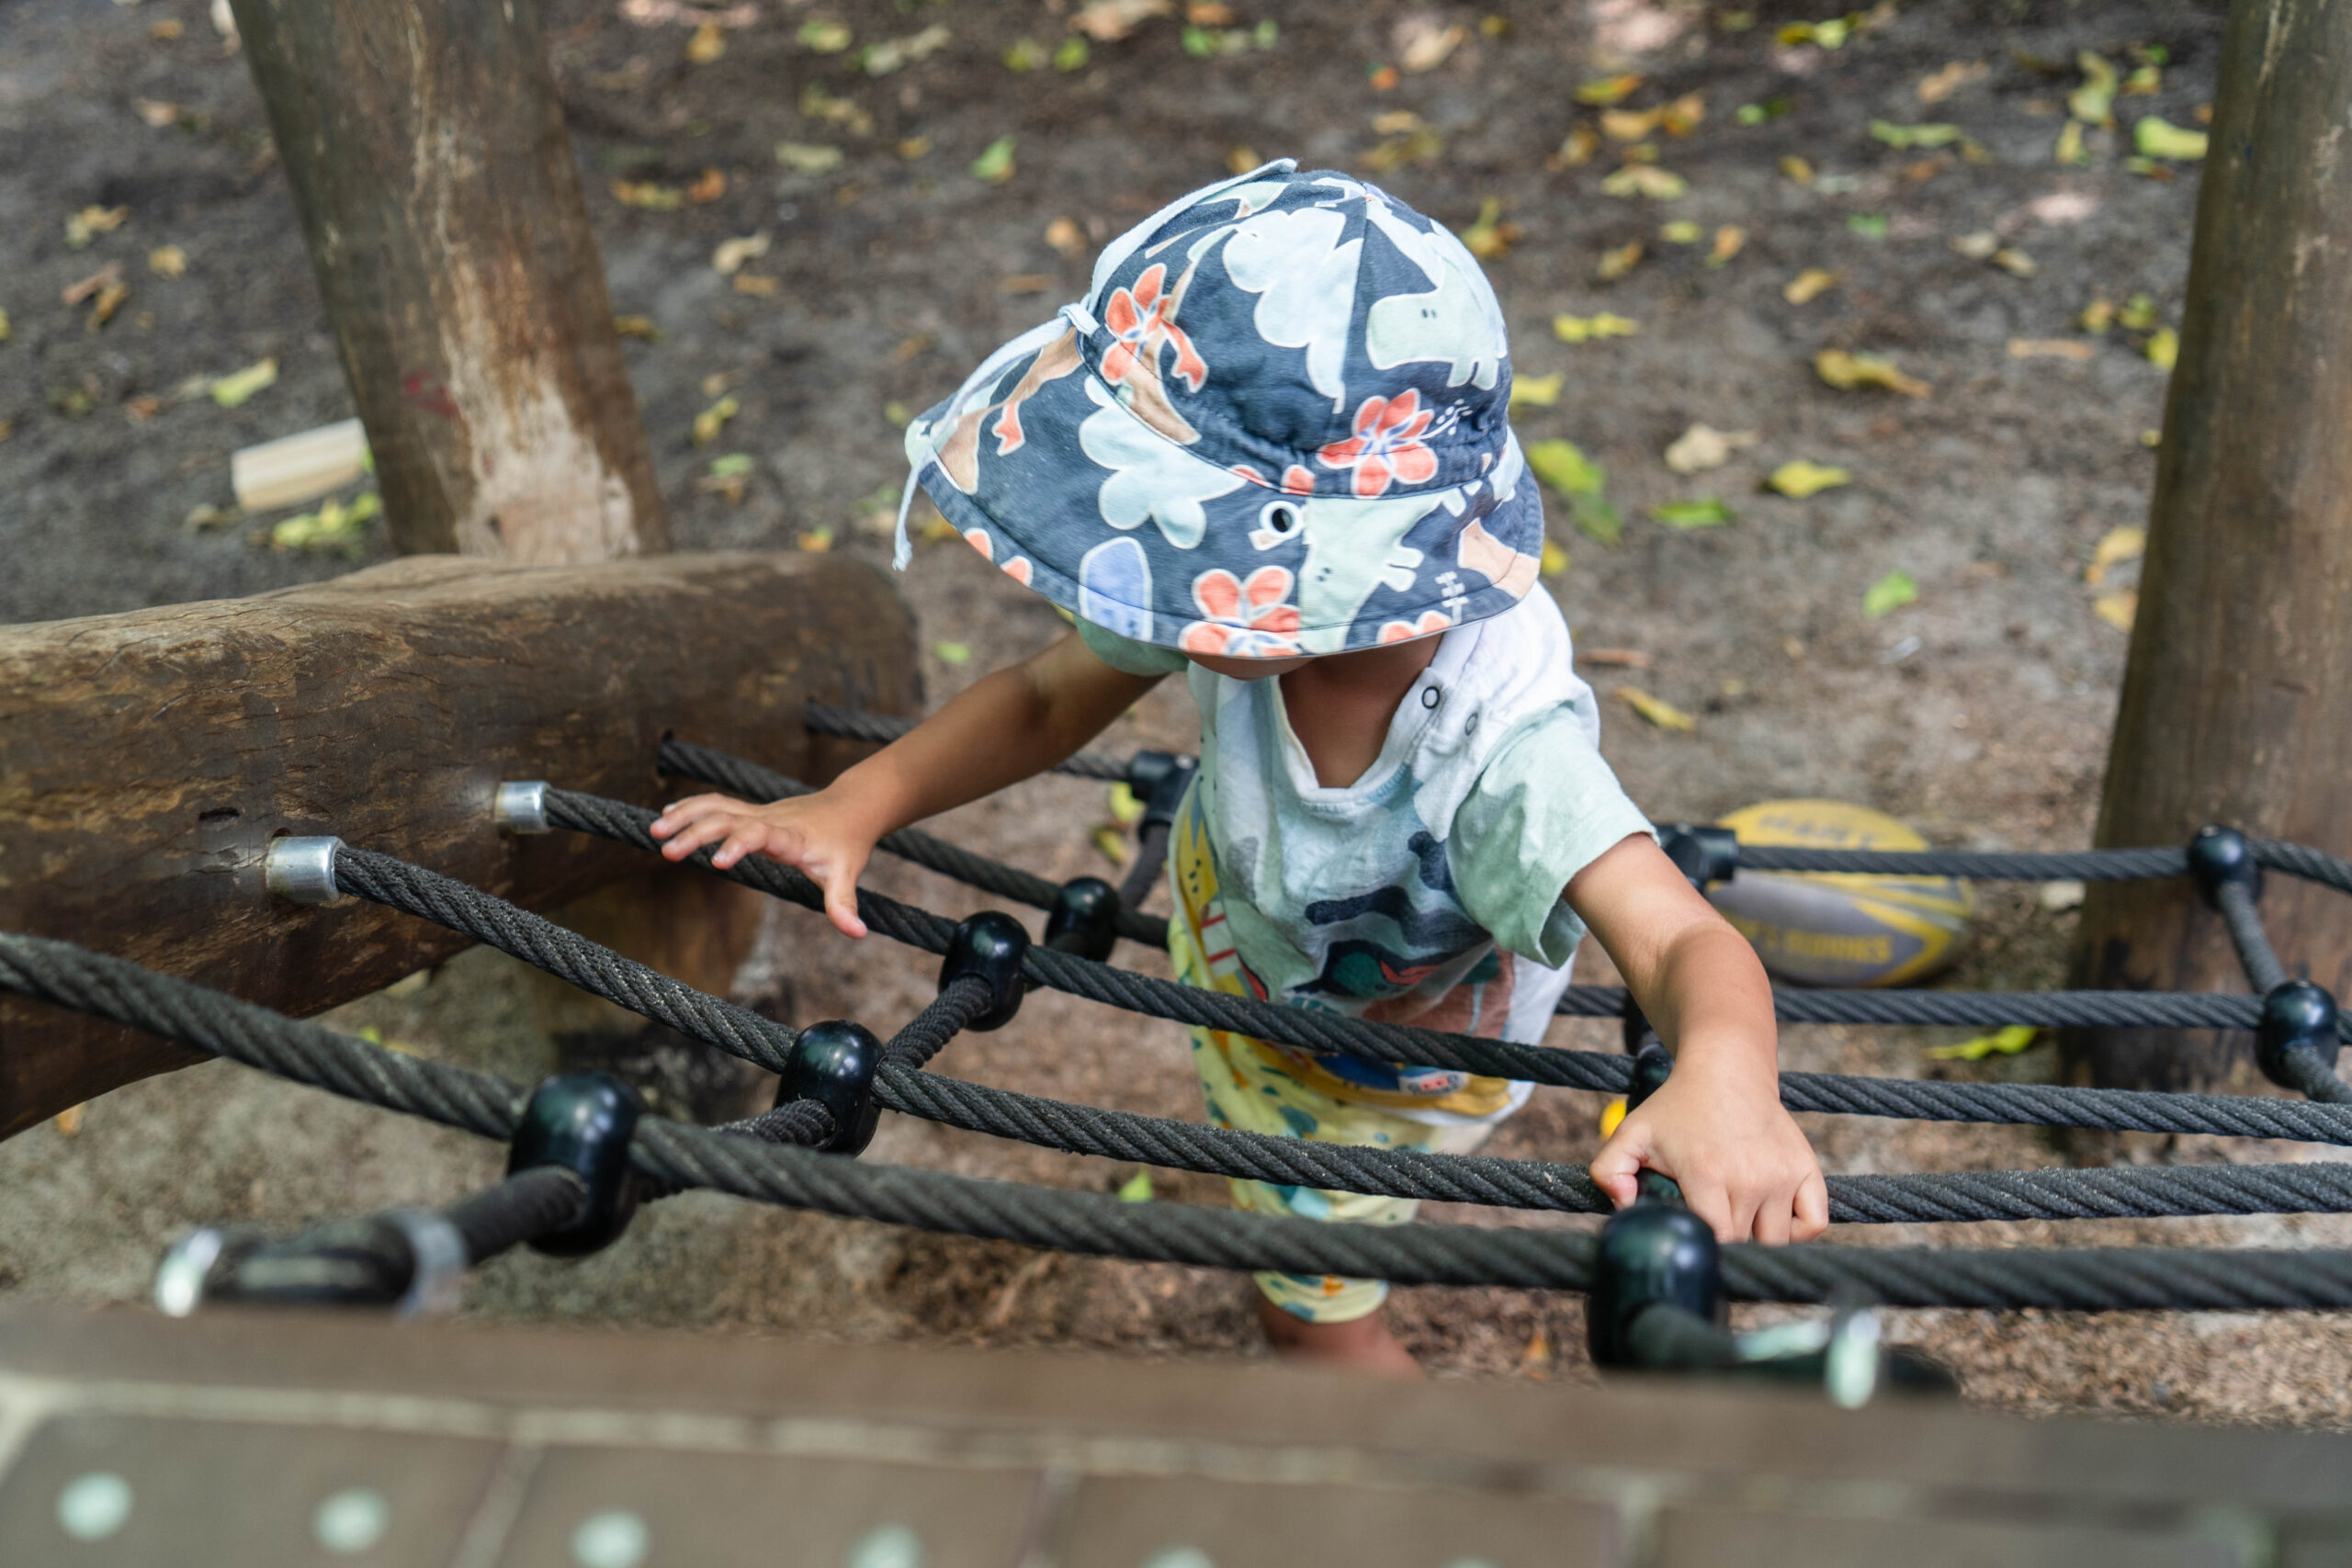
(744, 778)
(2095, 1280)
(2047, 1105)
(2311, 1074)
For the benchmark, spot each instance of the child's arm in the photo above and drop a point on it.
(1001, 730)
(1717, 1126)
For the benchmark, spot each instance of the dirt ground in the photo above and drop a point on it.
(1980, 712)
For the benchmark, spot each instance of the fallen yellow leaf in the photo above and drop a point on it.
(2007, 1041)
(2163, 349)
(1611, 1115)
(234, 388)
(707, 44)
(2118, 609)
(2048, 348)
(167, 261)
(1536, 392)
(1850, 372)
(1808, 285)
(1729, 238)
(1578, 147)
(1630, 125)
(1943, 84)
(1555, 558)
(712, 420)
(1645, 179)
(1797, 168)
(92, 221)
(730, 256)
(1804, 478)
(1701, 447)
(1607, 90)
(1586, 329)
(1614, 264)
(1111, 840)
(1664, 715)
(2119, 546)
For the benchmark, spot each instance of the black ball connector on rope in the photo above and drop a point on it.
(1701, 852)
(1158, 779)
(1084, 919)
(833, 1063)
(989, 947)
(582, 1122)
(2298, 1023)
(2218, 855)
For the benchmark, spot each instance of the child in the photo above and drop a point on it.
(1269, 452)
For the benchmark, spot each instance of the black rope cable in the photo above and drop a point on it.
(850, 724)
(2055, 1194)
(514, 1209)
(2045, 1010)
(2046, 1105)
(2301, 860)
(2085, 1279)
(2311, 1076)
(747, 778)
(541, 942)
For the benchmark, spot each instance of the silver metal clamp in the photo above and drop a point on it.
(520, 807)
(301, 869)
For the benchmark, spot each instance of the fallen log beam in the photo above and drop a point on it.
(147, 759)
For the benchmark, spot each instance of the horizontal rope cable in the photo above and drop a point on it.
(2087, 1280)
(2051, 1194)
(2045, 1105)
(747, 778)
(1989, 865)
(849, 724)
(2046, 1009)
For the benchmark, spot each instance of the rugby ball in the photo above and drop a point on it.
(1825, 928)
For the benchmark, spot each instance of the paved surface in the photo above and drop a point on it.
(281, 1439)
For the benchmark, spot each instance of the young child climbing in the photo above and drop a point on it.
(1269, 452)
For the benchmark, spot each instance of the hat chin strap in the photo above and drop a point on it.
(1028, 343)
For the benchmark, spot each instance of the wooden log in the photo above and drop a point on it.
(426, 153)
(2232, 707)
(147, 759)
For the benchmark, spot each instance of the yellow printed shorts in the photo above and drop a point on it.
(1256, 1087)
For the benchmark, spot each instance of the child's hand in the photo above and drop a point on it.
(1716, 1126)
(811, 833)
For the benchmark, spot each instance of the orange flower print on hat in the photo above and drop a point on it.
(1244, 619)
(1386, 448)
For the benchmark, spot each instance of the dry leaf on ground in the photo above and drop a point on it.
(730, 256)
(1808, 285)
(2118, 546)
(1702, 447)
(1851, 372)
(1588, 329)
(1804, 477)
(1943, 84)
(2118, 609)
(1664, 715)
(2050, 348)
(1614, 264)
(1888, 594)
(1107, 21)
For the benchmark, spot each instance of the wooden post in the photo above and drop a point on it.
(2234, 702)
(147, 759)
(435, 185)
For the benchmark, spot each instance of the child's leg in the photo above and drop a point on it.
(1320, 1317)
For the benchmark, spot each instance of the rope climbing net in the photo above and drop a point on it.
(583, 1155)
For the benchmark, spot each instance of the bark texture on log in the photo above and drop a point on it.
(2233, 705)
(429, 163)
(147, 759)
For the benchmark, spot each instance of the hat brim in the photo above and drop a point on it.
(1050, 473)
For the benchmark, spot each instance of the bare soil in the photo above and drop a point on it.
(1980, 713)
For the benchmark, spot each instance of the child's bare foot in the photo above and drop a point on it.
(1366, 1344)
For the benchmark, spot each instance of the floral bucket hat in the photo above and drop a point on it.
(1275, 425)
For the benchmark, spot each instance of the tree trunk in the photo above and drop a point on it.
(2234, 703)
(435, 184)
(147, 759)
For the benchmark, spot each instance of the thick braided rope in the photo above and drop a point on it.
(2097, 1279)
(2044, 1010)
(541, 942)
(746, 778)
(91, 983)
(2043, 1105)
(849, 724)
(2053, 1194)
(2301, 860)
(2311, 1076)
(507, 1214)
(2076, 865)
